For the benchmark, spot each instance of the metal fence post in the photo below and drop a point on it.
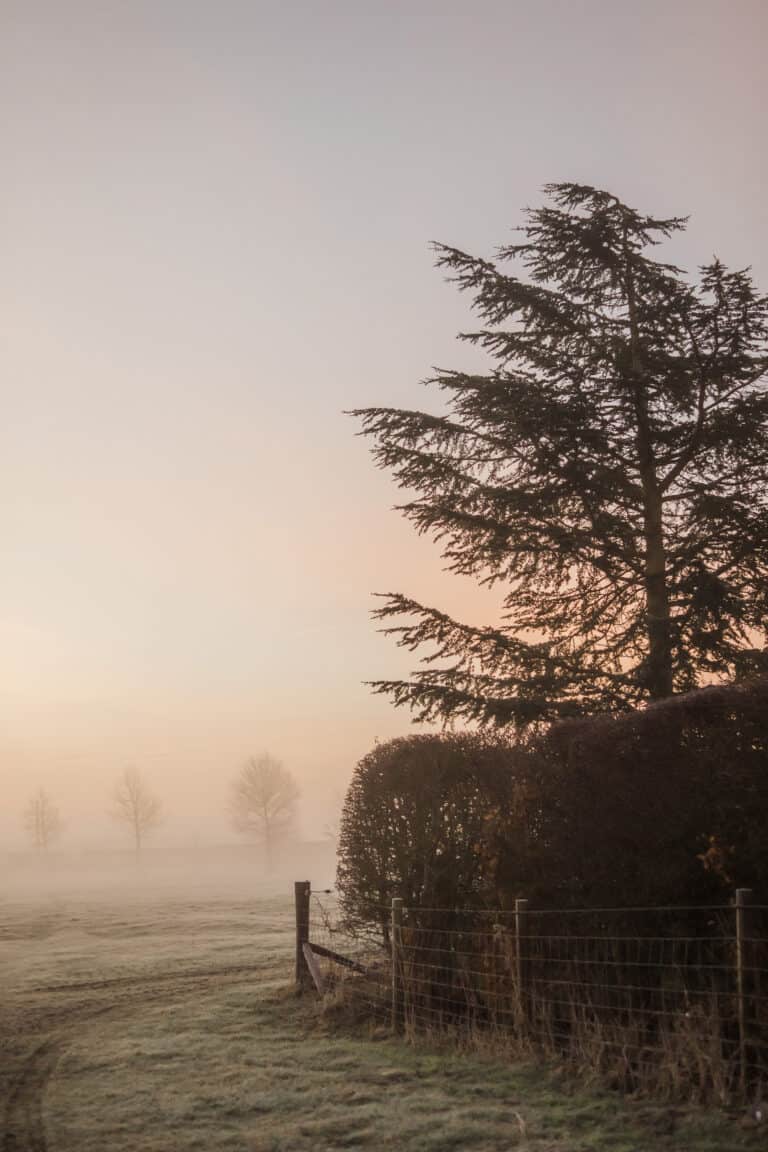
(521, 954)
(397, 971)
(743, 932)
(301, 893)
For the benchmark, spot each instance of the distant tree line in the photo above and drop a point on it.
(262, 807)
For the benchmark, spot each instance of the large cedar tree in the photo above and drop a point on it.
(609, 470)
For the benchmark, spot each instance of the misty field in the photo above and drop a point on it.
(165, 1022)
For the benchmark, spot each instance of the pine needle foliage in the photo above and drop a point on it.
(609, 471)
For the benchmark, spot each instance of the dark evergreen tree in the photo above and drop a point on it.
(610, 469)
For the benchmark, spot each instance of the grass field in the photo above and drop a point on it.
(167, 1023)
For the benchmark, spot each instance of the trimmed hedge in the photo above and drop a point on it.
(668, 805)
(419, 822)
(665, 805)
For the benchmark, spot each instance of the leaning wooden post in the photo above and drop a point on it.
(301, 893)
(397, 969)
(743, 901)
(521, 972)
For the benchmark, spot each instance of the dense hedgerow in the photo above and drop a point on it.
(667, 805)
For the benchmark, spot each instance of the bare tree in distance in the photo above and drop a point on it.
(42, 820)
(135, 805)
(263, 801)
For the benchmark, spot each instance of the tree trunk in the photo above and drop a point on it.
(658, 676)
(659, 671)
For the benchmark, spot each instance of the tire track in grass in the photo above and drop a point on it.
(117, 982)
(23, 1127)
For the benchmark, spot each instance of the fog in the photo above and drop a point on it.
(187, 873)
(188, 758)
(216, 241)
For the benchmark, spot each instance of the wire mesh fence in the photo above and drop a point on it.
(363, 983)
(672, 1000)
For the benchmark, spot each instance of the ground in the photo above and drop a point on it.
(166, 1023)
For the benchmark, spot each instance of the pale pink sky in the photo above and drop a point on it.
(214, 230)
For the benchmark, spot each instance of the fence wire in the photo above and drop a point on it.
(363, 984)
(663, 999)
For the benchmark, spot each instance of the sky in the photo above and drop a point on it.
(215, 221)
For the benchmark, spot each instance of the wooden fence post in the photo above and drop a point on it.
(743, 933)
(397, 971)
(521, 953)
(301, 893)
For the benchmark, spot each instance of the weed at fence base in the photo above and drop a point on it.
(647, 1001)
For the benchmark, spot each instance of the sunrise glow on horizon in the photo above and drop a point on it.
(216, 225)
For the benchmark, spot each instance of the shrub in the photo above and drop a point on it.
(421, 821)
(661, 806)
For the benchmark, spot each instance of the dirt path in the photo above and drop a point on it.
(38, 1033)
